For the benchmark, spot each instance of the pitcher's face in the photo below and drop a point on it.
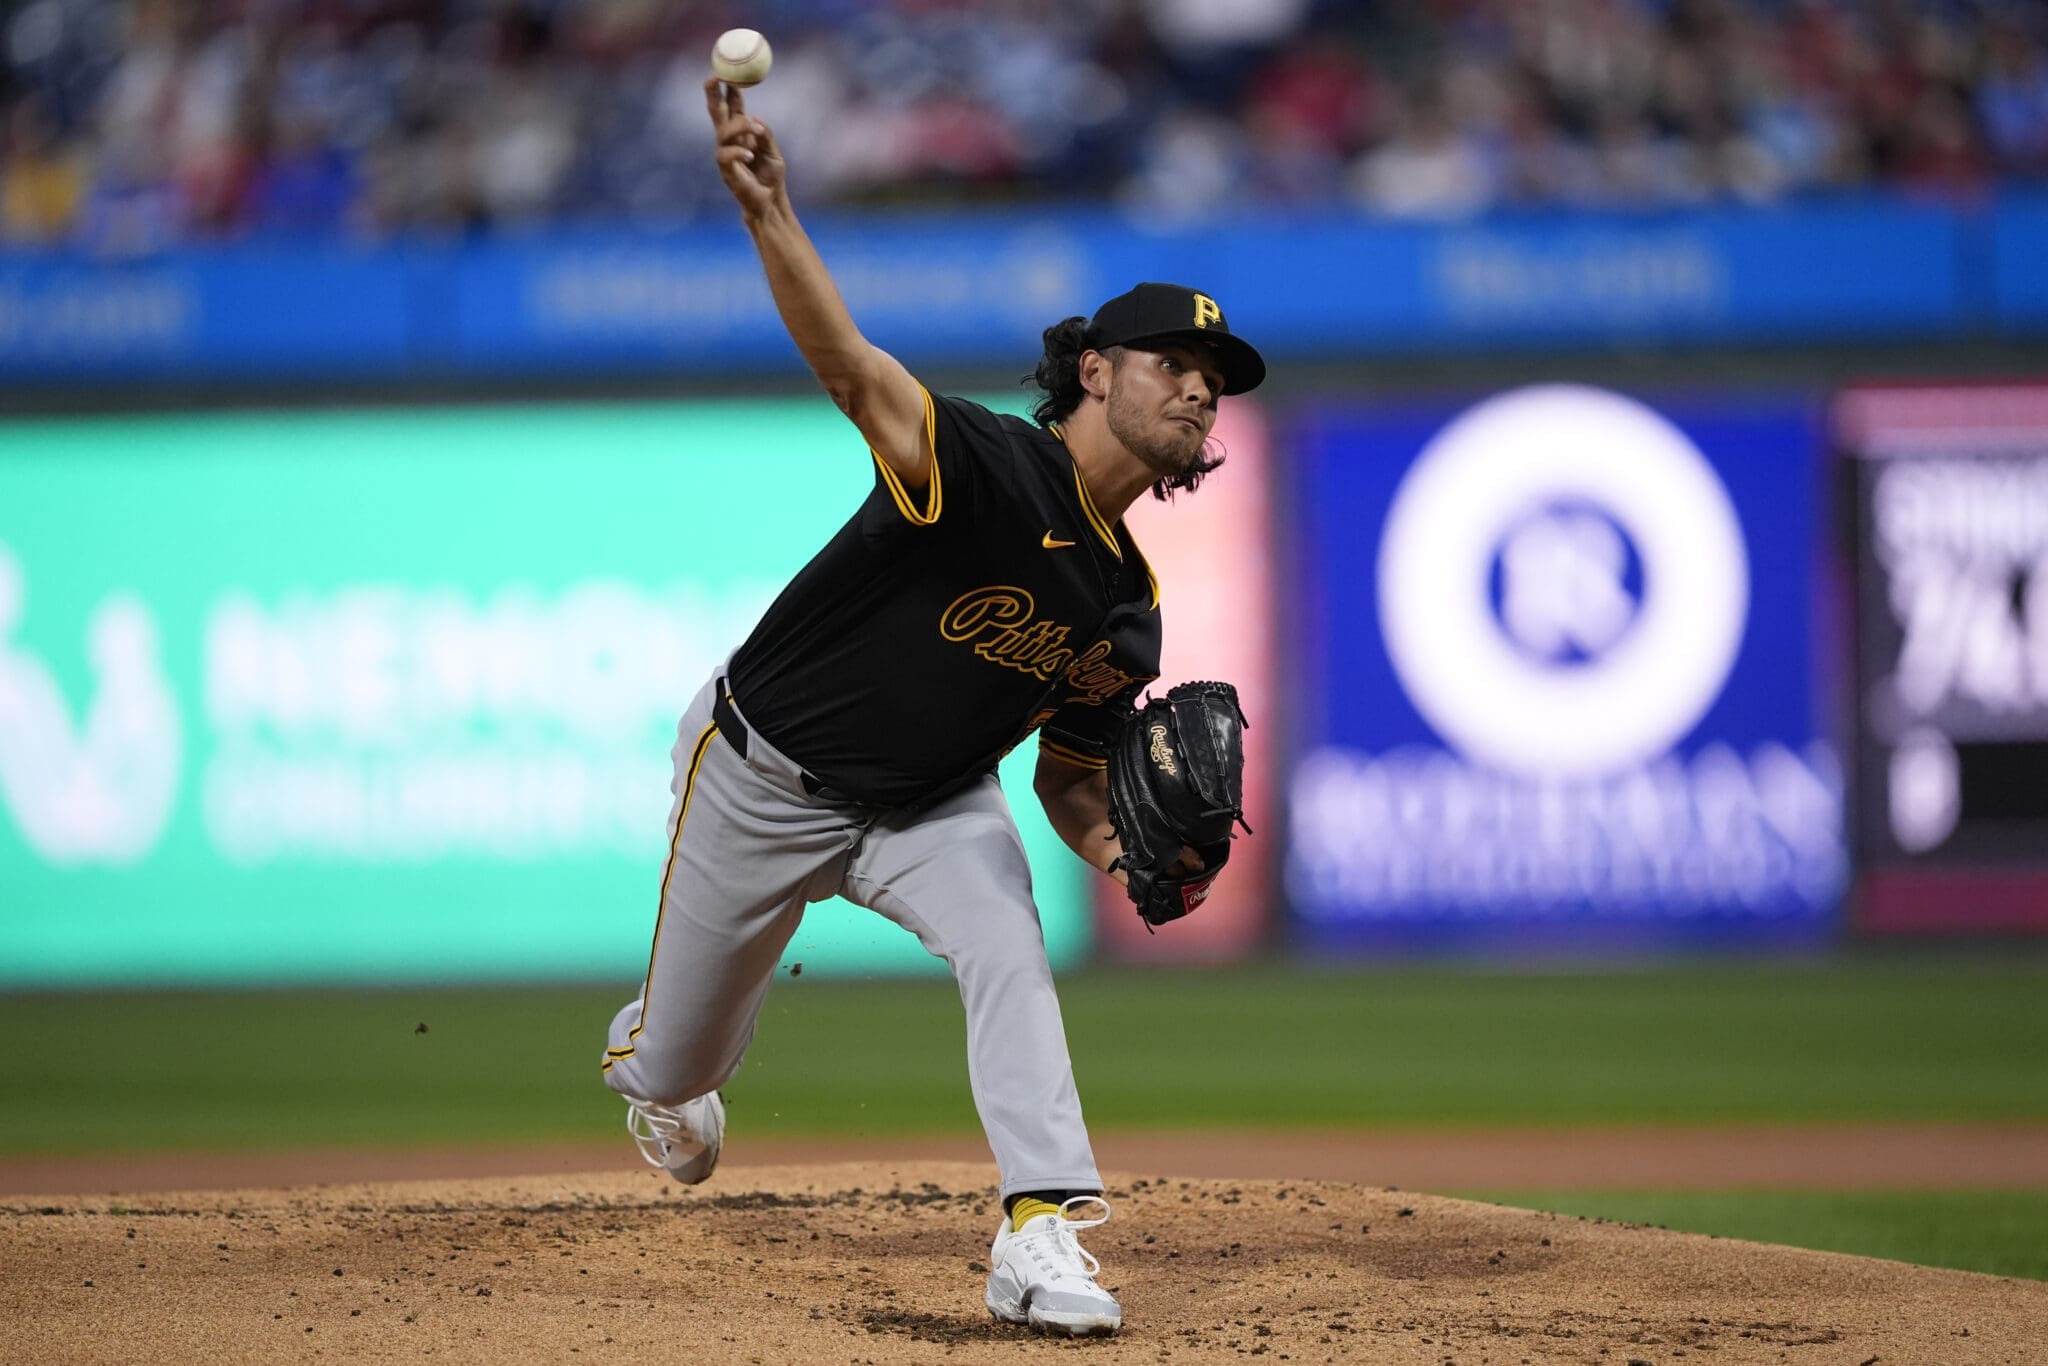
(1162, 404)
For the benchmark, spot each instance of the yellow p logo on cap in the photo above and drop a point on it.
(1206, 311)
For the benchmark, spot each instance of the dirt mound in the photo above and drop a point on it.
(884, 1263)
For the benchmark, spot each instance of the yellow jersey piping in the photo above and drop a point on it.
(1088, 503)
(934, 496)
(612, 1055)
(1094, 517)
(1070, 756)
(1150, 577)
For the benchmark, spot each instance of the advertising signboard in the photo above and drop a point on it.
(977, 287)
(1212, 551)
(1557, 678)
(389, 694)
(1951, 497)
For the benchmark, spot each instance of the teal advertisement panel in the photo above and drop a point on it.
(389, 694)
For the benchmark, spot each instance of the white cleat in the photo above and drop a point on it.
(682, 1139)
(1041, 1275)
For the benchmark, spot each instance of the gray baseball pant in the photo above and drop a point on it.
(749, 849)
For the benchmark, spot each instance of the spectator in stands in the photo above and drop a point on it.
(136, 124)
(41, 181)
(1188, 165)
(133, 207)
(2012, 99)
(305, 187)
(1430, 168)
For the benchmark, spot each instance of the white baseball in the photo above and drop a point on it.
(741, 57)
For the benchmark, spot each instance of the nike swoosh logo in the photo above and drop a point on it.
(1050, 544)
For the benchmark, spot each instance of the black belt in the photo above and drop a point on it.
(735, 732)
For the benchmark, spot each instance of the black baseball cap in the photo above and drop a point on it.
(1153, 312)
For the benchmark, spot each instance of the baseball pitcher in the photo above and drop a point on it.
(986, 588)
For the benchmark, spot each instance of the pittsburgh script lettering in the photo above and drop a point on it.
(999, 623)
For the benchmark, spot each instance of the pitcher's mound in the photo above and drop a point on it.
(885, 1263)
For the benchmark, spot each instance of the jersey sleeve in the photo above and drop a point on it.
(969, 449)
(1101, 692)
(1081, 733)
(1104, 683)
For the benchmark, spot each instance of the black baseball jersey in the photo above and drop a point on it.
(942, 625)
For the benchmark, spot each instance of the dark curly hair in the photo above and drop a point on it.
(1058, 378)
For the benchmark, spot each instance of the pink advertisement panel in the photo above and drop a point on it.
(1212, 551)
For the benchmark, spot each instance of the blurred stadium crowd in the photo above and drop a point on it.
(131, 125)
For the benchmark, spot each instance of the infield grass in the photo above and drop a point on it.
(2001, 1232)
(1961, 1039)
(1880, 1040)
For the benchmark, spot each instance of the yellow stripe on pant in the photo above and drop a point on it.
(704, 740)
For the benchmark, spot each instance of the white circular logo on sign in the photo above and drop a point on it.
(1562, 582)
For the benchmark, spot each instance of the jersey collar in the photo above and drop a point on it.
(1088, 508)
(1095, 518)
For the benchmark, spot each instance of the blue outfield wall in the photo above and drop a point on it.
(977, 288)
(2019, 263)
